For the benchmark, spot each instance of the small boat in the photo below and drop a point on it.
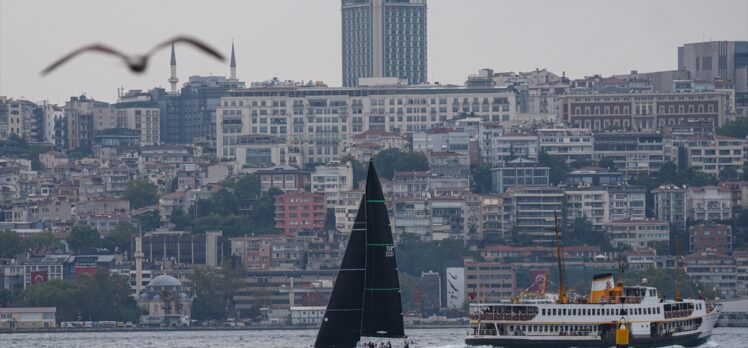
(365, 301)
(594, 321)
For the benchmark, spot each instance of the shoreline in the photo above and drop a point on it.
(203, 328)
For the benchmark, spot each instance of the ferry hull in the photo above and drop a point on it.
(690, 340)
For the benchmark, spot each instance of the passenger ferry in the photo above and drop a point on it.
(592, 322)
(598, 320)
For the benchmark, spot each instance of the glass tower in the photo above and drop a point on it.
(384, 38)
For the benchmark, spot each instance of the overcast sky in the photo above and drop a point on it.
(300, 39)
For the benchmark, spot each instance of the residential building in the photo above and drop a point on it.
(670, 204)
(713, 270)
(411, 185)
(715, 153)
(518, 172)
(489, 282)
(412, 216)
(509, 146)
(384, 39)
(627, 202)
(332, 180)
(492, 222)
(716, 60)
(448, 218)
(592, 203)
(741, 263)
(632, 152)
(593, 176)
(442, 139)
(531, 212)
(84, 116)
(571, 144)
(142, 116)
(708, 203)
(346, 210)
(309, 315)
(255, 252)
(638, 233)
(299, 211)
(710, 238)
(644, 111)
(317, 123)
(284, 178)
(43, 269)
(365, 145)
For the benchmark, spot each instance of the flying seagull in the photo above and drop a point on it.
(136, 63)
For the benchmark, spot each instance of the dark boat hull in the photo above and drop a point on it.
(691, 340)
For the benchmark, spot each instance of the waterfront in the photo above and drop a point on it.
(425, 338)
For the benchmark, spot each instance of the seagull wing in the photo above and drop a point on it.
(97, 47)
(194, 42)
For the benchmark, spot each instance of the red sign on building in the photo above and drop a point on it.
(38, 277)
(83, 270)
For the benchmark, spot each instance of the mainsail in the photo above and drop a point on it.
(366, 298)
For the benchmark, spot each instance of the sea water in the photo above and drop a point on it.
(424, 338)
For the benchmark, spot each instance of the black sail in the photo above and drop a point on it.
(383, 312)
(366, 298)
(341, 326)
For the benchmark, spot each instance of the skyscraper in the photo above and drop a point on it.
(384, 38)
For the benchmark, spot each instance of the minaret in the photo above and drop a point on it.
(173, 79)
(233, 64)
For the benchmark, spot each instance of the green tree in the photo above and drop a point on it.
(120, 238)
(557, 165)
(607, 163)
(247, 187)
(581, 231)
(729, 173)
(10, 244)
(84, 237)
(481, 179)
(213, 290)
(180, 219)
(387, 162)
(141, 193)
(735, 129)
(224, 202)
(101, 296)
(44, 239)
(149, 221)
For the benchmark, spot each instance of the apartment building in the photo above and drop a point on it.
(638, 233)
(332, 180)
(670, 205)
(571, 144)
(708, 203)
(715, 153)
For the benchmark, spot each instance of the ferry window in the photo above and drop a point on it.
(543, 311)
(554, 311)
(658, 310)
(563, 311)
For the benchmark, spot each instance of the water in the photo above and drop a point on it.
(425, 338)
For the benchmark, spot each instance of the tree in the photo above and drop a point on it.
(224, 202)
(735, 129)
(180, 219)
(101, 296)
(729, 173)
(581, 231)
(10, 244)
(247, 187)
(44, 239)
(389, 161)
(213, 290)
(84, 237)
(557, 165)
(607, 162)
(141, 193)
(120, 238)
(149, 221)
(481, 179)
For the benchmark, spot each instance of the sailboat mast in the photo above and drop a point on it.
(562, 299)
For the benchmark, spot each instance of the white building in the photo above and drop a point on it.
(592, 203)
(316, 122)
(311, 316)
(509, 146)
(713, 154)
(708, 203)
(332, 179)
(143, 117)
(571, 144)
(638, 233)
(670, 205)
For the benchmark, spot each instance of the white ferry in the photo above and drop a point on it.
(612, 315)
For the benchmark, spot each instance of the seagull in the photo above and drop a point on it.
(136, 63)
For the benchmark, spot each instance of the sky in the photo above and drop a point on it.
(300, 39)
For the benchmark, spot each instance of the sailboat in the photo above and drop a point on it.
(365, 301)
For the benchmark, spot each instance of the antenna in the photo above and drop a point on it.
(562, 299)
